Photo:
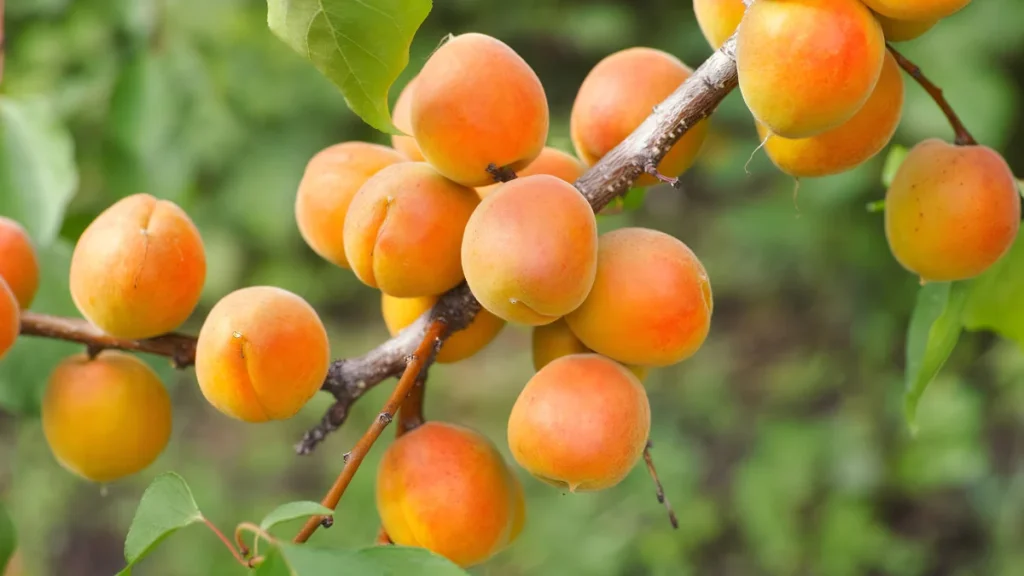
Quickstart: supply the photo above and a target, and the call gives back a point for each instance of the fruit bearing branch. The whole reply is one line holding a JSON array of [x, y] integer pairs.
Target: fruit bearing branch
[[963, 137]]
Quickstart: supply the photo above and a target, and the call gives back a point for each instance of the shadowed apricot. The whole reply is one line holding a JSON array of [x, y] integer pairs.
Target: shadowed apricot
[[447, 489], [402, 119], [404, 229], [331, 179], [105, 418], [852, 142], [651, 302], [618, 95], [138, 269], [718, 19], [400, 312], [530, 250], [14, 565], [903, 30], [478, 103], [10, 318], [917, 9], [555, 340], [19, 265], [581, 422], [552, 162], [951, 211], [806, 66], [262, 354]]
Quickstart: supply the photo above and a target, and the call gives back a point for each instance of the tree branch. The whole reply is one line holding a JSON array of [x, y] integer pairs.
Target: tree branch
[[659, 490], [963, 137]]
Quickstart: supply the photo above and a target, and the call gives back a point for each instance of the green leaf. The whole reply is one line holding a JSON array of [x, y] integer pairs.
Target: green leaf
[[935, 327], [893, 162], [293, 510], [401, 560], [286, 559], [166, 506], [360, 45], [996, 296], [38, 176], [307, 560], [8, 539], [273, 564]]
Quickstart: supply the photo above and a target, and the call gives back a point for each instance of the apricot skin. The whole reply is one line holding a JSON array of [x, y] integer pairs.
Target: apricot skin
[[10, 318], [806, 66], [400, 312], [447, 489], [951, 211], [651, 303], [552, 341], [903, 30], [581, 422], [107, 418], [138, 269], [849, 144], [917, 9], [332, 178], [478, 103], [262, 354], [19, 265], [404, 229], [618, 95], [530, 250], [718, 19], [402, 119], [552, 162]]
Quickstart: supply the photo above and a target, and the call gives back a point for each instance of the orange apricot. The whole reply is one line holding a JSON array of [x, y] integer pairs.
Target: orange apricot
[[105, 418], [651, 302], [849, 144], [402, 119], [806, 66], [400, 312], [262, 354], [555, 340], [332, 178], [552, 162], [10, 318], [19, 265], [917, 9], [138, 269], [718, 19], [618, 95], [951, 211], [903, 30], [478, 103], [581, 422], [530, 250], [446, 488]]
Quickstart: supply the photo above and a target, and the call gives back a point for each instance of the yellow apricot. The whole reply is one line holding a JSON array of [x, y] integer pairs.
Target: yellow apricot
[[400, 312], [478, 103], [552, 162], [105, 418], [10, 318], [718, 19], [402, 119], [951, 211], [581, 422], [262, 354], [19, 265], [903, 30], [138, 269], [849, 144], [332, 178], [555, 340], [618, 95], [530, 250], [806, 66], [917, 9], [447, 489]]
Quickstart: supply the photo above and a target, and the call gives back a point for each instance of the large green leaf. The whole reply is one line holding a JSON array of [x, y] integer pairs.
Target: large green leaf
[[996, 297], [401, 560], [287, 559], [166, 506], [360, 45], [8, 539]]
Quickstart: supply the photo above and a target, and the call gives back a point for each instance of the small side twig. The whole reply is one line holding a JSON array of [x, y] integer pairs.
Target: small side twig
[[652, 169], [963, 137], [659, 490], [239, 556]]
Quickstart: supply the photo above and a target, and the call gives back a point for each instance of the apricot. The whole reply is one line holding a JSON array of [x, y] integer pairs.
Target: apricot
[[806, 66], [530, 250], [555, 340], [10, 318], [903, 30], [262, 354], [446, 488], [332, 178], [478, 103], [105, 418], [618, 95], [138, 269], [951, 211], [552, 162], [402, 119], [400, 312], [19, 265], [917, 9], [651, 301], [581, 423], [718, 19], [404, 229], [852, 142]]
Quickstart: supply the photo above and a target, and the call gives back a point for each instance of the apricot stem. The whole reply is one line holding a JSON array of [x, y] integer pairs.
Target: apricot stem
[[382, 538], [234, 551], [659, 490], [410, 415], [963, 137]]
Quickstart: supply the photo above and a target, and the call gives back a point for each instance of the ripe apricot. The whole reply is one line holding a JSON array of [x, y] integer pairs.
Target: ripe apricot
[[852, 142], [478, 103], [138, 269], [951, 211], [552, 162], [581, 422], [530, 250], [105, 418], [446, 488], [718, 19], [404, 229], [19, 265], [917, 9], [10, 318], [651, 301], [400, 312], [332, 178], [806, 66], [555, 340], [618, 95], [903, 30], [402, 119], [262, 354]]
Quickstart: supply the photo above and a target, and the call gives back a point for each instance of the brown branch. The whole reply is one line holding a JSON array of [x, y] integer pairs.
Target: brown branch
[[659, 490], [963, 137], [415, 364]]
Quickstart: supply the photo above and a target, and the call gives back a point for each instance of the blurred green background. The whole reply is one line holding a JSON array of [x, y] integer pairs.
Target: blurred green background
[[781, 444]]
